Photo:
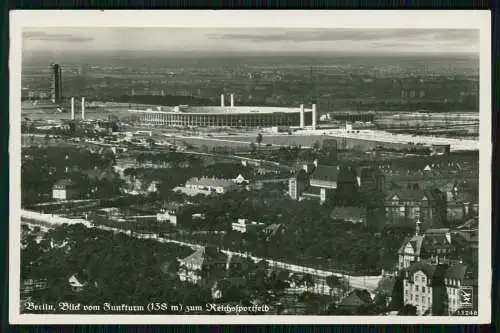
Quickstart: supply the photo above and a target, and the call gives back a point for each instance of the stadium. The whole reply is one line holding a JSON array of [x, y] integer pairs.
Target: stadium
[[227, 116]]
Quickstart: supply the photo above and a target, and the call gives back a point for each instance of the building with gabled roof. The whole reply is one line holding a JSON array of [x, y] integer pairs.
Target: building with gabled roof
[[435, 289], [433, 244], [409, 205], [201, 263]]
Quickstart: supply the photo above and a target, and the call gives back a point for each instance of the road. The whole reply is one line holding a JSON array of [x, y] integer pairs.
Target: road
[[359, 282]]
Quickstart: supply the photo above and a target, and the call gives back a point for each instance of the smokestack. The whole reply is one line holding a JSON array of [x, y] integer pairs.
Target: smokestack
[[72, 108], [83, 108], [302, 116], [222, 100], [314, 116], [232, 100]]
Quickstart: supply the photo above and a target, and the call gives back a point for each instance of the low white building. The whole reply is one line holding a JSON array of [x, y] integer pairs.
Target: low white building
[[206, 186], [64, 189], [244, 225], [166, 216]]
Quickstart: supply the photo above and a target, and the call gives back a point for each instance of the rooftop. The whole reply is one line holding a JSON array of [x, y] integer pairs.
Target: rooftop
[[325, 173], [226, 110], [212, 182]]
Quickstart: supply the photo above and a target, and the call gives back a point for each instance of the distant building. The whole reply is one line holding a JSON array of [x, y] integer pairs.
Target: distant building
[[229, 116], [64, 189], [207, 186], [244, 225], [56, 83], [435, 289], [168, 213]]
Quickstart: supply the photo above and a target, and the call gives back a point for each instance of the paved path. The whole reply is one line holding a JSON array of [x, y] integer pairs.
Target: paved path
[[359, 282]]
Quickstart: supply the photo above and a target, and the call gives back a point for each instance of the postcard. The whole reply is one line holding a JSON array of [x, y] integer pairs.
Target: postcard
[[229, 167]]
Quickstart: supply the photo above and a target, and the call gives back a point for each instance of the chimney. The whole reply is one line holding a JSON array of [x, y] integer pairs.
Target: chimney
[[302, 116], [314, 116], [222, 100], [232, 100], [72, 108], [83, 108]]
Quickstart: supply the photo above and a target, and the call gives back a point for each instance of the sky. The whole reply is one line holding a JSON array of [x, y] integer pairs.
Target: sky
[[257, 40]]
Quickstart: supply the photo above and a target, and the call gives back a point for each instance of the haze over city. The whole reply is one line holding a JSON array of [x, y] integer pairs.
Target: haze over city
[[243, 40]]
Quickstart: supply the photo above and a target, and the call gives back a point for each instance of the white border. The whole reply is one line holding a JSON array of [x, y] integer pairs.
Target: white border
[[231, 19]]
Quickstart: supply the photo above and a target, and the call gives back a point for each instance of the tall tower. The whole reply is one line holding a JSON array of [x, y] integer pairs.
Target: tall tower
[[55, 83]]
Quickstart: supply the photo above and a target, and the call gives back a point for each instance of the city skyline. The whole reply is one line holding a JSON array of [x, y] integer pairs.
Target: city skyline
[[259, 40]]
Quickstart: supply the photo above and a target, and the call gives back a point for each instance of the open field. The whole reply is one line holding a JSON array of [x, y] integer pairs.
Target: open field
[[310, 140]]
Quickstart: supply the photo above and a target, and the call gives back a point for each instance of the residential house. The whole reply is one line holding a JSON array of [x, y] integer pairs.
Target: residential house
[[240, 180], [76, 284], [433, 244], [201, 264], [349, 214], [64, 189], [168, 213], [434, 289], [207, 186], [326, 179], [244, 225], [427, 205]]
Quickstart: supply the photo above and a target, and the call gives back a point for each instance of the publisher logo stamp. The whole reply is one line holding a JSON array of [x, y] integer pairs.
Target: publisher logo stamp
[[465, 297]]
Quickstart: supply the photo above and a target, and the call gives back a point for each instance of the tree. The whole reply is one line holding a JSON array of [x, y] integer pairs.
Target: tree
[[151, 142], [259, 139], [253, 148]]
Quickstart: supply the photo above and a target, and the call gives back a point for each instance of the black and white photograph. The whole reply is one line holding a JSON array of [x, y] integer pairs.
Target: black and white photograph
[[250, 167]]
